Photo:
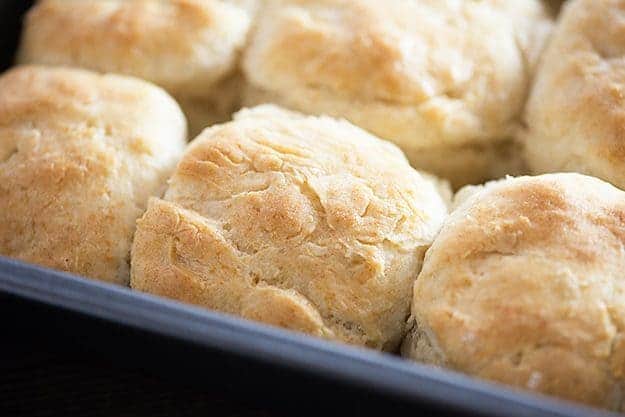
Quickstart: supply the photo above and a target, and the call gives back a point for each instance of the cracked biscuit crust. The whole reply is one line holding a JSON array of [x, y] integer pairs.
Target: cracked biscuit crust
[[525, 285], [302, 222], [576, 111], [80, 153], [433, 76]]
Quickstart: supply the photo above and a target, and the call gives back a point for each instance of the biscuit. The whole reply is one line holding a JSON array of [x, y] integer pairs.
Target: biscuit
[[445, 80], [80, 153], [307, 223], [576, 111], [188, 47], [525, 285]]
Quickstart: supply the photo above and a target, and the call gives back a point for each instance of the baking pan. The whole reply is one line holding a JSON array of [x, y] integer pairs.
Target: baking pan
[[283, 369]]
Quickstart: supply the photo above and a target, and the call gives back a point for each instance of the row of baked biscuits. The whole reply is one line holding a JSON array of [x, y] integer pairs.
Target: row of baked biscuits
[[445, 80], [312, 224], [309, 210]]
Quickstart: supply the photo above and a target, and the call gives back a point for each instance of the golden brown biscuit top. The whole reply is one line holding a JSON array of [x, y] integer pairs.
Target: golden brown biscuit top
[[580, 87], [182, 45], [473, 55], [47, 101], [365, 189], [310, 222], [80, 154], [525, 285]]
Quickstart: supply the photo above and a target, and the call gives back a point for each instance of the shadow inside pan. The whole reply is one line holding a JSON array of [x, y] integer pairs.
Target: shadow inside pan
[[10, 29]]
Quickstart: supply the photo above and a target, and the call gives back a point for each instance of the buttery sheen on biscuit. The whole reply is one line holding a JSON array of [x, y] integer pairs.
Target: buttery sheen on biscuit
[[445, 80], [525, 285], [308, 223], [576, 113], [80, 153], [188, 47]]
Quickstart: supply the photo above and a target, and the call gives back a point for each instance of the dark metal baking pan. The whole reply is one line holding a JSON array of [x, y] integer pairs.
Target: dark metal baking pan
[[197, 346], [201, 337]]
